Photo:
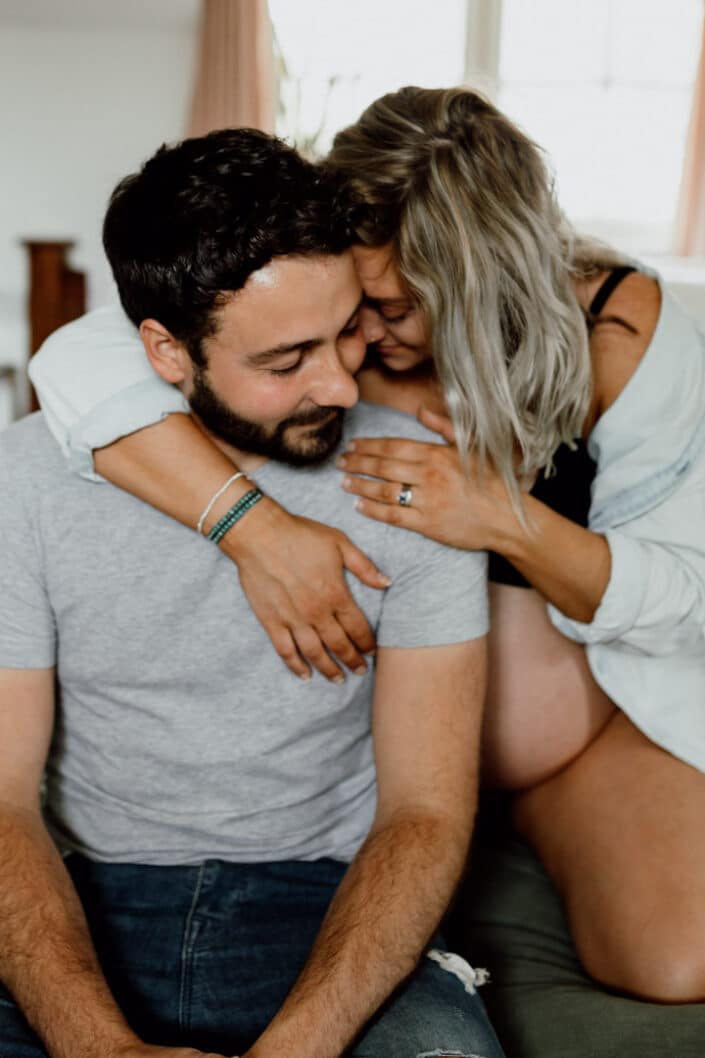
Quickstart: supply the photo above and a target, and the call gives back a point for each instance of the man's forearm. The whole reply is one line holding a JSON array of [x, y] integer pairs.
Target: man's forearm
[[379, 922], [47, 959]]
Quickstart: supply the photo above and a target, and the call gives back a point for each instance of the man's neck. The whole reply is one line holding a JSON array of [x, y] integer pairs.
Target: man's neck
[[247, 461]]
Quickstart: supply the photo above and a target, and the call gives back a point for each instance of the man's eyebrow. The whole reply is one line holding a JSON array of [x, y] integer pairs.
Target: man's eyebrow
[[267, 355]]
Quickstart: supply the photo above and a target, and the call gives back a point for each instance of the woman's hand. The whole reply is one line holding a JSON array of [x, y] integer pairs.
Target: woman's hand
[[465, 511], [291, 570]]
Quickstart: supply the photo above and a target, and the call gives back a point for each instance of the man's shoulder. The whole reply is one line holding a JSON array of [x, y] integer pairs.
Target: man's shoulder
[[28, 450], [376, 420]]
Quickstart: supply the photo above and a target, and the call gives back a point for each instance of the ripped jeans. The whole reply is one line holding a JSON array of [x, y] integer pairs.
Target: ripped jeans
[[204, 956]]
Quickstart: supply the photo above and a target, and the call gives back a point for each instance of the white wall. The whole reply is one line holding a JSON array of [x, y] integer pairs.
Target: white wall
[[81, 107]]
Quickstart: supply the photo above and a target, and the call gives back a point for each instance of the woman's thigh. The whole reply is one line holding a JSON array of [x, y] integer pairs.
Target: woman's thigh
[[622, 832], [543, 706], [510, 918]]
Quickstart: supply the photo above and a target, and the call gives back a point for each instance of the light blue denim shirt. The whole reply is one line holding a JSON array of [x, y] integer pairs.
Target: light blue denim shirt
[[646, 642]]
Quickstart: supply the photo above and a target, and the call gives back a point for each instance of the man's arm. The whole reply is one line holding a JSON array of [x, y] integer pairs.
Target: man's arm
[[426, 725], [47, 959]]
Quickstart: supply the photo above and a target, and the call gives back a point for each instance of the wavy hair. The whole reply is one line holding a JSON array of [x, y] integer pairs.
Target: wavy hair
[[467, 202]]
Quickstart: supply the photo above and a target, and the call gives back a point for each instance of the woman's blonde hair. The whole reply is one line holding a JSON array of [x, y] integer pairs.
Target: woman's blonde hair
[[467, 202]]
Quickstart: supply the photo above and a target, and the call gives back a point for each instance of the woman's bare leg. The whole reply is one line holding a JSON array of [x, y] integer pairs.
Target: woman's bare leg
[[622, 832], [618, 822]]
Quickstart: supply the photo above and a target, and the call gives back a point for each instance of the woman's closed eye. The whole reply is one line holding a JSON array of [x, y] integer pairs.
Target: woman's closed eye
[[394, 317]]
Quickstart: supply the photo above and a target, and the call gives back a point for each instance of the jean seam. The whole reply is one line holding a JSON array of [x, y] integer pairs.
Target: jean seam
[[187, 947]]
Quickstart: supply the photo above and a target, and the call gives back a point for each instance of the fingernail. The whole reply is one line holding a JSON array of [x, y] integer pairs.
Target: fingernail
[[341, 462], [384, 579], [359, 505], [338, 679], [304, 675], [360, 670], [347, 482], [350, 446]]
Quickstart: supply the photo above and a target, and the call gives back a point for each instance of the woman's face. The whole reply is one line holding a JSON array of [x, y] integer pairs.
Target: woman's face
[[391, 319]]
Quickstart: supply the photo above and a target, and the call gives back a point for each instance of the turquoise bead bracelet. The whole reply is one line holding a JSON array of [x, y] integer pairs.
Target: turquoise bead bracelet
[[236, 512]]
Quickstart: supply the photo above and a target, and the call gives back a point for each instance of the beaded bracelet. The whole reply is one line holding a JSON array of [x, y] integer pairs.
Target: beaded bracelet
[[215, 497], [236, 512]]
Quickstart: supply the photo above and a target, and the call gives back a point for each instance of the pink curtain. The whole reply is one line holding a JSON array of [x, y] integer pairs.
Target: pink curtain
[[235, 81], [690, 224]]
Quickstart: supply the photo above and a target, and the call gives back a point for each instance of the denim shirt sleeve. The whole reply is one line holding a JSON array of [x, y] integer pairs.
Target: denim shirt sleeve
[[654, 602], [95, 385]]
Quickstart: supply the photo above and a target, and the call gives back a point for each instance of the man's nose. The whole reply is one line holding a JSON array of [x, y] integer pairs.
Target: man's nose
[[334, 385], [373, 326]]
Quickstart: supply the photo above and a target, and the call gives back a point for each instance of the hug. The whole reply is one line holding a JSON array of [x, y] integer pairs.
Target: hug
[[456, 452]]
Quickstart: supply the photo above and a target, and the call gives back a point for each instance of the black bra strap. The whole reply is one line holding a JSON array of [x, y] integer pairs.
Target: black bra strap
[[613, 280]]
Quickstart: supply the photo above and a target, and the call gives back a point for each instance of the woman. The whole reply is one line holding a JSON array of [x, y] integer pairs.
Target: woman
[[549, 353]]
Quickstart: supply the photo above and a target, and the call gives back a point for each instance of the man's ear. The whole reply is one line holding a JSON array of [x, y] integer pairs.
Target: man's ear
[[167, 356]]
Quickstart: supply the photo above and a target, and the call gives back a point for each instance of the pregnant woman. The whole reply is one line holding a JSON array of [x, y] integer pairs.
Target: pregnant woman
[[570, 391]]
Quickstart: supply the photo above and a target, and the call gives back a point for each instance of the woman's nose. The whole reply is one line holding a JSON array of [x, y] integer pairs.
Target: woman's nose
[[372, 324]]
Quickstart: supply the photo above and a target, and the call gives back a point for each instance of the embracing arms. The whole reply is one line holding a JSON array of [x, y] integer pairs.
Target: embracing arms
[[101, 397], [649, 593], [426, 725], [569, 565]]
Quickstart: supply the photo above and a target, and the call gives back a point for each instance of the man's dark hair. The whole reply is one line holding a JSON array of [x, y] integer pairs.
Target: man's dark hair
[[201, 216]]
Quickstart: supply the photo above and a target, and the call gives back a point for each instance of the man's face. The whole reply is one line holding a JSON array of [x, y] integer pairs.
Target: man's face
[[279, 372]]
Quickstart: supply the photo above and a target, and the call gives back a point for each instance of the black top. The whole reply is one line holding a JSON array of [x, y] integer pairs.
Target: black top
[[568, 489]]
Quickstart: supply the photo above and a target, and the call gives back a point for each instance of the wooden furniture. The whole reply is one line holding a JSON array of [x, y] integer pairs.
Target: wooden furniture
[[57, 293]]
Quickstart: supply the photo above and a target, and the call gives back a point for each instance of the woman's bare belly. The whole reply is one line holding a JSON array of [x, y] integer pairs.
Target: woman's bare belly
[[543, 705]]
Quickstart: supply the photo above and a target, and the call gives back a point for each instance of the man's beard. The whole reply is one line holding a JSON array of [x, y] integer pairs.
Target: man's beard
[[309, 448]]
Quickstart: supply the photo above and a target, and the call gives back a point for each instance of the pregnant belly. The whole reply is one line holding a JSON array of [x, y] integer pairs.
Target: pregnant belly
[[543, 705]]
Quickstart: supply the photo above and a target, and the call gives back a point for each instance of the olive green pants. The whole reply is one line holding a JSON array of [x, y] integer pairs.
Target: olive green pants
[[509, 918]]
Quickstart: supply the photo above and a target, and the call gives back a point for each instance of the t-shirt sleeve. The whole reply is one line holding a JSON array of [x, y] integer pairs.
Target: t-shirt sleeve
[[438, 594], [27, 630], [95, 385]]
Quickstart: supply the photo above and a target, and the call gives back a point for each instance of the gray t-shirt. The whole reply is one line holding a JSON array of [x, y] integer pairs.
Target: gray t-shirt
[[180, 735]]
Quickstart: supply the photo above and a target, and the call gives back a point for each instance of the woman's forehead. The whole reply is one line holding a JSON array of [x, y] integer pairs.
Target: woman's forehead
[[378, 272]]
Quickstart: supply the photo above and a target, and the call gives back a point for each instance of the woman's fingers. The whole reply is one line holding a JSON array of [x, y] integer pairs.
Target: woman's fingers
[[357, 562], [382, 491], [311, 647], [390, 448], [379, 467], [391, 514], [286, 648], [438, 423], [339, 643]]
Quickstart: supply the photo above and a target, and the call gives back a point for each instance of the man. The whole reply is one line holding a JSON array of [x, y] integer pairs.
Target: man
[[252, 863]]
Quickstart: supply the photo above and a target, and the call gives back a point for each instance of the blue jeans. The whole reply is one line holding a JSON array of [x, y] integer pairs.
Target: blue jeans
[[204, 956]]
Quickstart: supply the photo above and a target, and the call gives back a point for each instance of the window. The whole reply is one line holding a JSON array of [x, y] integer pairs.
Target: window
[[606, 87], [337, 57]]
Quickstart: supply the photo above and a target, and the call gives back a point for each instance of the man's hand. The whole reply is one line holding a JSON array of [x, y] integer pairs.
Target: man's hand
[[291, 570]]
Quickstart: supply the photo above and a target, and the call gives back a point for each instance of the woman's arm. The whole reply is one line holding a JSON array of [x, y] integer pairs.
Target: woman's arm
[[569, 565], [100, 392], [647, 594]]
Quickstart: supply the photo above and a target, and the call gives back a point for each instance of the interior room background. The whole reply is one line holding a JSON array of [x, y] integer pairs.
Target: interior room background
[[613, 89]]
